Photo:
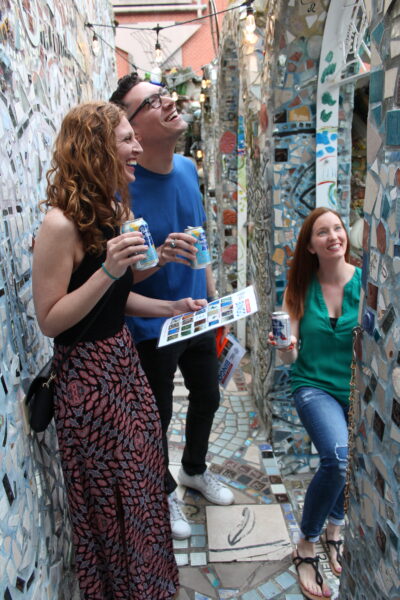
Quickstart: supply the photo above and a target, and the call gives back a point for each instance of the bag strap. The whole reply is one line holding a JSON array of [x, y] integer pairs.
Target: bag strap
[[92, 319]]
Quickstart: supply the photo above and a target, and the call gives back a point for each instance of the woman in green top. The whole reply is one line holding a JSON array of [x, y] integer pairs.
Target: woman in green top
[[322, 299]]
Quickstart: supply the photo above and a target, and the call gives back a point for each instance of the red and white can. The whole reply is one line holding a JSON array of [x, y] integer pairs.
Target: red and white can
[[281, 329]]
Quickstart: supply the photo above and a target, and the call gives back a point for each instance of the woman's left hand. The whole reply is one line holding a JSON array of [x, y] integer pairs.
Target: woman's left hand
[[187, 305]]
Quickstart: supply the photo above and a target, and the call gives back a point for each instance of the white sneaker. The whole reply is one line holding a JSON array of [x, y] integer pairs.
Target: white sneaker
[[209, 486], [179, 523]]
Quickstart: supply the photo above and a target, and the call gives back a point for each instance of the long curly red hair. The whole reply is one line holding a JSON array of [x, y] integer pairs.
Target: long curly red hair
[[86, 173]]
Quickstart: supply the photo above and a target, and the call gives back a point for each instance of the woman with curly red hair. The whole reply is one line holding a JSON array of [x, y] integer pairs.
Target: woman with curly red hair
[[107, 422]]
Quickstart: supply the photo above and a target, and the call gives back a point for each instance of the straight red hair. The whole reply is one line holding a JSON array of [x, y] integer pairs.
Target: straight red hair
[[304, 264]]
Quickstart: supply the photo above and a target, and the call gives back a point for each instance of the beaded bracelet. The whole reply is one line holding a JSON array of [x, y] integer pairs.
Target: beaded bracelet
[[108, 273]]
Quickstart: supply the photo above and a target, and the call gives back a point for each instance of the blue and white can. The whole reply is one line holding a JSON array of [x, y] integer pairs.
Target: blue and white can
[[202, 256], [281, 329], [151, 255]]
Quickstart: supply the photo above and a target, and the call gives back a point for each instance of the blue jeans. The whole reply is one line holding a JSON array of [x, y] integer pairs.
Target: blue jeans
[[325, 420]]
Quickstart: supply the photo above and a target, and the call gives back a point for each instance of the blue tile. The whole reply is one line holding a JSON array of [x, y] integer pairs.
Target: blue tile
[[377, 33], [197, 541], [252, 595], [270, 589], [198, 529], [393, 128], [376, 86], [285, 580], [377, 114]]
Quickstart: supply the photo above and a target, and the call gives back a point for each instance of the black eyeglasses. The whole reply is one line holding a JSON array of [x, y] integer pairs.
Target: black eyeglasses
[[154, 101]]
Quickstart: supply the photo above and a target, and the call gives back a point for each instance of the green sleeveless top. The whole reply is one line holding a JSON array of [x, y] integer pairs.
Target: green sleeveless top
[[325, 353]]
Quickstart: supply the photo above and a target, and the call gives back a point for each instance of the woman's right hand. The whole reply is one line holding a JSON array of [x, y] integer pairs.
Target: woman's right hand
[[123, 251], [272, 342]]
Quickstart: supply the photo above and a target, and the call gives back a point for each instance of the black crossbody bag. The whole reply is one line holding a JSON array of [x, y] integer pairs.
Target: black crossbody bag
[[40, 396]]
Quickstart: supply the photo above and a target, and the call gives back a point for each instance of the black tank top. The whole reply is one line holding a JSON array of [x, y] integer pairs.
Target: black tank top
[[111, 317]]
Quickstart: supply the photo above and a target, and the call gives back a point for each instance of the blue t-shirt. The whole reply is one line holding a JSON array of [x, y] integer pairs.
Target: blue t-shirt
[[169, 203]]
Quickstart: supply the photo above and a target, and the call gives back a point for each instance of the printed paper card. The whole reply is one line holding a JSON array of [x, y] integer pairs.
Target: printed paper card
[[217, 313]]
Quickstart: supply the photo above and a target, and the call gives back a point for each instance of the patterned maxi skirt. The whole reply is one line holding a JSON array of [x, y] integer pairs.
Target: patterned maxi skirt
[[109, 435]]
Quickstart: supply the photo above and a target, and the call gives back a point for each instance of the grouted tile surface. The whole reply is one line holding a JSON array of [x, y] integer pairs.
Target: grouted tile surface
[[240, 457]]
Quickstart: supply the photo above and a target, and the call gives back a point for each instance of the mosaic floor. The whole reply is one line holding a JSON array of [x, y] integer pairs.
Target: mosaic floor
[[240, 457]]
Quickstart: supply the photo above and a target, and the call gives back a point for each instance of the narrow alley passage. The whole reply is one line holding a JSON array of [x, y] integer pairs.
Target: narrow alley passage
[[240, 456]]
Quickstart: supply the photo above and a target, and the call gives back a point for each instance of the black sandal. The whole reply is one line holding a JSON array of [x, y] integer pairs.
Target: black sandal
[[314, 562], [339, 557]]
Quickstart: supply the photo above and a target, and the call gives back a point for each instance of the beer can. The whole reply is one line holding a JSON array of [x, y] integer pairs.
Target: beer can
[[281, 329], [202, 256], [151, 258]]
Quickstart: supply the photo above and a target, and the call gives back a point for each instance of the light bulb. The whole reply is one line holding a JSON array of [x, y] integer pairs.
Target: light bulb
[[199, 154], [158, 55], [204, 83], [174, 96], [250, 25], [250, 37], [95, 45], [202, 98]]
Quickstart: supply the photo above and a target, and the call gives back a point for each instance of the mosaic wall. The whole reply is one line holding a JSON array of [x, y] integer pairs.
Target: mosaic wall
[[290, 147], [372, 567], [47, 64], [278, 84], [227, 166]]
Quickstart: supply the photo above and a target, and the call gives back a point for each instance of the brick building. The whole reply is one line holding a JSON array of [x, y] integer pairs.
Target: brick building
[[187, 46]]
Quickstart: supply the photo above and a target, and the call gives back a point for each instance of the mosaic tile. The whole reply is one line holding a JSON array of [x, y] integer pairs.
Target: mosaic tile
[[182, 559], [285, 580], [252, 595], [198, 559], [270, 589]]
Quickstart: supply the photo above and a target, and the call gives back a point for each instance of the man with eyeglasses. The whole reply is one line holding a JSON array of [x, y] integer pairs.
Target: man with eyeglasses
[[166, 194]]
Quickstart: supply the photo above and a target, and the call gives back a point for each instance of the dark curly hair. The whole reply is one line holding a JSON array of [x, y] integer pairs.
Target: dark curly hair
[[126, 83]]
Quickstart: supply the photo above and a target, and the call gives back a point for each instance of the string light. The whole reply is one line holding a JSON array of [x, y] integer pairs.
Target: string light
[[95, 45], [202, 98], [158, 55], [204, 83], [250, 38], [174, 96], [250, 25]]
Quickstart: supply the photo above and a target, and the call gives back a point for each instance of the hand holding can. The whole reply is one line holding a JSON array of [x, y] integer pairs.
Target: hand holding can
[[151, 258], [281, 329], [202, 258]]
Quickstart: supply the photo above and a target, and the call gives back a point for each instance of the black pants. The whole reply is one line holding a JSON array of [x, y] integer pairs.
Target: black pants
[[197, 360]]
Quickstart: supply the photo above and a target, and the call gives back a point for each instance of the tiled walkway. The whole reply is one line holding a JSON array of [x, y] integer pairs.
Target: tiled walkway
[[240, 457]]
